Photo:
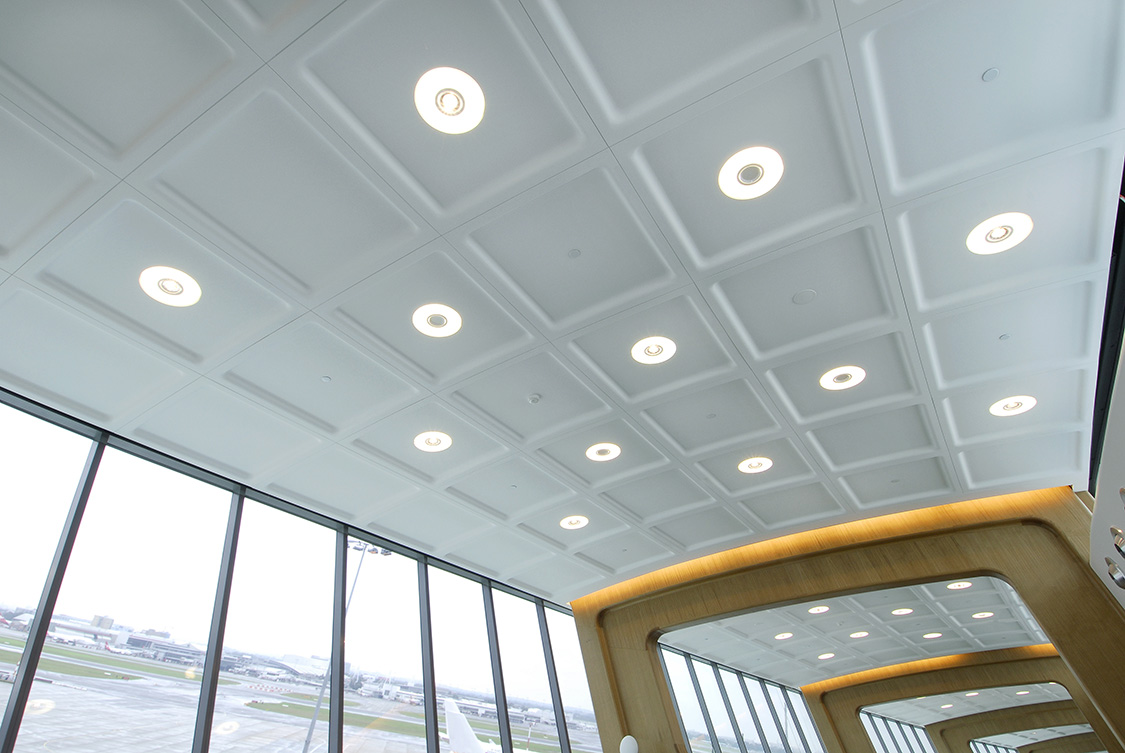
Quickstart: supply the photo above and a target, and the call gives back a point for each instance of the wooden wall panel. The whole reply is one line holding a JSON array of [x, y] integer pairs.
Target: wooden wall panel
[[954, 735], [1087, 743]]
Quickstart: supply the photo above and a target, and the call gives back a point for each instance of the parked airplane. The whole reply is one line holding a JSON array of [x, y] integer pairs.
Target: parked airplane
[[462, 739]]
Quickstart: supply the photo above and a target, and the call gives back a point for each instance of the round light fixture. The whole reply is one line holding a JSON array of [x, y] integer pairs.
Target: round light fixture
[[436, 320], [751, 173], [170, 286], [859, 634], [433, 441], [1012, 406], [818, 610], [650, 350], [783, 636], [574, 522], [755, 465], [842, 377], [971, 695], [449, 100], [959, 585], [602, 451], [931, 636], [902, 611], [999, 233], [982, 615], [947, 705], [828, 655], [1022, 692]]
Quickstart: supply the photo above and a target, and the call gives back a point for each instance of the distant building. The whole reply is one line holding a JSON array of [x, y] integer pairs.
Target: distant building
[[101, 621]]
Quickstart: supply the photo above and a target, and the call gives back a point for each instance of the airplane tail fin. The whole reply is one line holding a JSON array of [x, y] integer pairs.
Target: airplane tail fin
[[462, 739]]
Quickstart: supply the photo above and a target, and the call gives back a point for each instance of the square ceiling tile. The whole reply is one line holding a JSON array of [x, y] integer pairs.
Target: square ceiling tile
[[497, 551], [559, 577], [393, 440], [714, 417], [705, 529], [1063, 398], [531, 127], [1072, 212], [1026, 462], [379, 311], [793, 507], [263, 176], [317, 377], [576, 252], [223, 432], [1042, 328], [699, 350], [884, 435], [658, 496], [924, 65], [798, 108], [545, 524], [268, 26], [625, 552], [190, 59], [96, 263], [105, 378], [915, 481], [811, 294], [341, 484], [48, 183], [533, 397], [783, 461], [430, 522], [637, 454], [889, 379], [510, 489]]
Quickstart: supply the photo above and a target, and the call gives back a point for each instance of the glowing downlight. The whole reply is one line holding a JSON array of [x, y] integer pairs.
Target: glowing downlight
[[602, 451], [170, 286], [1000, 233], [755, 465], [751, 173], [842, 377], [653, 350], [449, 100], [574, 522], [433, 441], [1012, 406], [436, 320]]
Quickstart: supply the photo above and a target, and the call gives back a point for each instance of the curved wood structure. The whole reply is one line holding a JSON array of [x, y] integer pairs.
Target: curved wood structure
[[1086, 743], [954, 735], [835, 704], [1037, 541]]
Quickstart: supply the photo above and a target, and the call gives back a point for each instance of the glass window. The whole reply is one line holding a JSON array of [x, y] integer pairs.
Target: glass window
[[129, 632], [383, 688], [716, 709], [530, 709], [751, 736], [691, 715], [786, 718], [462, 665], [765, 717], [40, 468], [873, 733], [904, 744], [278, 636], [812, 737], [581, 727]]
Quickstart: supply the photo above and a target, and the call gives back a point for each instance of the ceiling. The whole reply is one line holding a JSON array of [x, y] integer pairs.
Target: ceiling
[[1027, 737], [928, 709], [273, 151]]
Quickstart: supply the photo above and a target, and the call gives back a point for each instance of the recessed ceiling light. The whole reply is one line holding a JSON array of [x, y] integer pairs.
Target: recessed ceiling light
[[1012, 406], [574, 522], [603, 451], [959, 585], [829, 655], [751, 173], [783, 636], [971, 695], [1022, 692], [999, 233], [170, 286], [655, 349], [755, 465], [931, 636], [947, 705], [436, 320], [859, 634], [818, 610], [901, 611], [842, 377], [449, 100], [433, 441], [982, 615]]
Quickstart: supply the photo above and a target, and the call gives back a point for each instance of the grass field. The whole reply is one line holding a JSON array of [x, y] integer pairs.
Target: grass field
[[66, 668], [105, 660]]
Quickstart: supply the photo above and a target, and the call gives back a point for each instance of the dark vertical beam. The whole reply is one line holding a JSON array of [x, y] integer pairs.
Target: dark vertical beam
[[336, 664], [776, 719], [703, 705], [796, 720], [429, 687], [730, 710], [37, 634], [213, 662], [553, 678], [497, 670]]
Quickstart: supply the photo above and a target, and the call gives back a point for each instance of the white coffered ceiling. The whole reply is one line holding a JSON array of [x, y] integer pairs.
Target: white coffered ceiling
[[273, 151]]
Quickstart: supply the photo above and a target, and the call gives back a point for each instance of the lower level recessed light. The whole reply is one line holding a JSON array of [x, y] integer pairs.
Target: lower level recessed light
[[574, 522], [170, 286], [783, 636], [755, 465], [652, 350], [818, 610], [433, 441], [828, 655], [751, 172], [1012, 406], [931, 636], [972, 695], [602, 451], [982, 615], [947, 705], [960, 585], [842, 377], [436, 320], [999, 233], [1022, 692], [859, 634], [902, 611]]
